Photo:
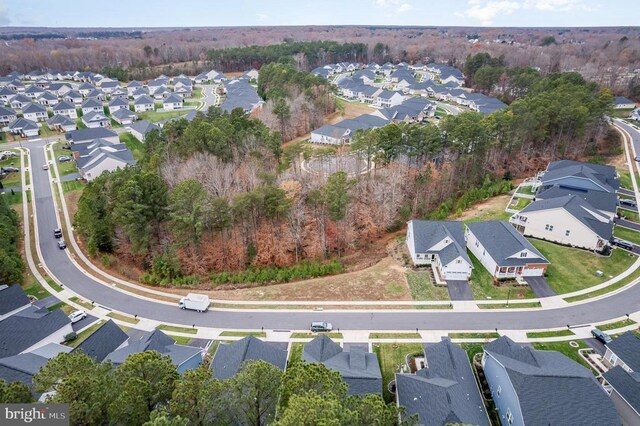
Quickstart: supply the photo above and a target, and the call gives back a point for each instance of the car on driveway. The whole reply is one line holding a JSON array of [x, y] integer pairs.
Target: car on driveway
[[627, 202], [10, 169], [8, 154], [57, 233], [77, 316], [601, 335], [627, 245], [62, 245], [319, 327], [63, 159], [45, 167]]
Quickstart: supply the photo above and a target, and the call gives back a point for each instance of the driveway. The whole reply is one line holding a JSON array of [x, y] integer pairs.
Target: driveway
[[459, 290], [347, 347], [627, 224], [88, 320], [627, 192], [540, 286]]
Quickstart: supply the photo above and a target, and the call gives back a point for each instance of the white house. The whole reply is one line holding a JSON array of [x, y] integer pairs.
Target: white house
[[387, 99], [91, 105], [96, 119], [24, 127], [124, 116], [503, 251], [7, 115], [66, 109], [441, 245], [172, 102], [141, 128], [61, 123], [622, 381], [35, 112], [143, 103], [620, 102], [118, 103]]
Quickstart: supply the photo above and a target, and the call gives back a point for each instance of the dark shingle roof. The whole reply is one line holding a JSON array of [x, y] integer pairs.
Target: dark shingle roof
[[143, 127], [92, 103], [63, 106], [155, 341], [28, 327], [103, 341], [427, 233], [33, 108], [626, 384], [601, 200], [21, 368], [229, 357], [503, 243], [11, 298], [443, 392], [627, 348], [551, 388], [603, 176], [89, 134]]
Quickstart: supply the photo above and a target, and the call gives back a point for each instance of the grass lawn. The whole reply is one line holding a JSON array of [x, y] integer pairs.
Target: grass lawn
[[625, 178], [72, 185], [479, 335], [605, 290], [122, 317], [423, 288], [54, 285], [135, 146], [67, 167], [491, 209], [629, 215], [15, 198], [621, 113], [391, 356], [83, 335], [13, 178], [574, 269], [243, 333], [214, 347], [67, 309], [295, 354], [616, 325], [395, 336], [180, 340], [482, 286], [566, 349], [165, 327], [196, 93], [472, 349], [557, 333], [509, 306], [526, 190], [521, 203], [627, 234], [35, 289], [156, 116], [88, 306], [310, 335]]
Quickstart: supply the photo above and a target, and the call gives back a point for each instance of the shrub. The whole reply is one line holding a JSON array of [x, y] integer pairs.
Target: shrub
[[272, 274]]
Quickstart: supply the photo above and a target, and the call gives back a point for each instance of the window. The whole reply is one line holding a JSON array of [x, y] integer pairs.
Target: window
[[458, 261], [477, 244], [548, 227], [567, 232], [523, 254], [509, 416], [503, 269]]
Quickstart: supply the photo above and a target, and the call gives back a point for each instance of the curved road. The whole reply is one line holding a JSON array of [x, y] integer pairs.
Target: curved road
[[59, 264]]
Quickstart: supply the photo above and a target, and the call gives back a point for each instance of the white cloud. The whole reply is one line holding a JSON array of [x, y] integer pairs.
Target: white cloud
[[263, 17], [405, 7], [486, 11], [398, 6]]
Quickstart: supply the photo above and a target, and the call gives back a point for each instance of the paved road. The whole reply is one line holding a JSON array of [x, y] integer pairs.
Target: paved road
[[58, 262], [540, 286], [84, 322], [459, 290], [208, 97], [449, 108]]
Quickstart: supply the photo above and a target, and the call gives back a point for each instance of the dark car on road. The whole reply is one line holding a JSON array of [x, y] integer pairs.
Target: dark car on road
[[627, 245], [601, 335], [62, 245], [57, 233], [320, 327]]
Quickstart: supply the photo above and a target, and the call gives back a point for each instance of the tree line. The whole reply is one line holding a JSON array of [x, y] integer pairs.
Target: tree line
[[146, 389], [11, 263]]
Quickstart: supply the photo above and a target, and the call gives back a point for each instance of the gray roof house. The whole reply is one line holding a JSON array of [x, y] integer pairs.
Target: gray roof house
[[543, 387], [579, 175], [503, 251], [24, 127], [141, 128], [21, 368], [66, 108], [34, 112], [87, 135], [97, 157], [7, 115], [624, 389], [183, 357], [117, 103], [443, 392], [12, 299], [143, 103], [440, 244], [623, 103], [604, 202], [61, 123], [229, 356], [91, 105], [624, 351], [103, 341], [360, 370], [124, 116], [96, 119]]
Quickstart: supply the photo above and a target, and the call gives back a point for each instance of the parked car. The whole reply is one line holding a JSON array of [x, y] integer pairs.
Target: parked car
[[9, 154], [62, 245], [637, 158], [601, 335], [318, 327], [77, 316], [10, 169], [63, 159], [627, 245], [57, 233], [45, 167], [627, 202]]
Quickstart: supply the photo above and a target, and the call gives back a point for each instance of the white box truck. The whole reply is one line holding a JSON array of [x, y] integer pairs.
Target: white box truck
[[195, 302]]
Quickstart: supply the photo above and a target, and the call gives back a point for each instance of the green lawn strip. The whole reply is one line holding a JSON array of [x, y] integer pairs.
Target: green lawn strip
[[196, 93], [565, 348], [135, 146], [81, 302], [521, 203], [472, 349], [15, 198], [67, 167], [606, 289], [188, 330], [528, 189], [35, 289], [156, 116], [121, 317], [310, 335], [83, 335], [557, 333], [573, 269], [180, 340], [627, 234], [509, 306], [53, 284], [479, 335], [395, 336], [422, 287], [621, 112], [625, 178], [72, 185], [67, 309], [243, 333], [295, 353], [629, 215], [391, 356], [483, 287], [616, 325], [214, 347]]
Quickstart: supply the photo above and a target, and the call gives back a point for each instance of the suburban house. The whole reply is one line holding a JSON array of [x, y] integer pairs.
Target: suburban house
[[86, 88], [7, 115], [34, 112], [96, 119], [388, 99], [108, 338], [536, 387], [21, 368], [143, 103], [604, 202], [73, 97], [441, 245], [12, 300], [109, 86], [567, 220], [624, 351], [172, 102], [622, 381], [24, 127], [81, 136], [124, 116], [359, 370], [341, 133], [6, 95], [66, 109], [91, 105], [142, 91], [240, 94], [620, 102], [444, 391], [141, 128], [413, 110], [503, 251], [61, 123], [117, 103], [97, 94], [229, 357], [34, 91], [99, 156], [48, 99], [160, 93], [18, 101], [183, 357], [60, 89], [579, 175]]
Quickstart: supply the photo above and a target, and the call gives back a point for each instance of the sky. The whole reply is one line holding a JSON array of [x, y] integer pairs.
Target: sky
[[198, 13]]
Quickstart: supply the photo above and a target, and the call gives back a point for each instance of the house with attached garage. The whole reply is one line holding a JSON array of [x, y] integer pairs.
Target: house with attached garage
[[440, 244], [133, 86], [119, 92], [33, 91], [620, 102], [60, 89], [97, 95], [48, 99], [18, 101], [172, 102], [96, 119], [142, 91], [503, 251], [99, 156], [140, 129], [6, 95], [579, 175], [118, 103], [105, 340], [161, 93], [66, 109], [567, 220], [622, 381], [16, 86], [124, 116], [24, 127], [73, 97], [34, 112], [534, 387], [7, 115], [444, 391], [91, 105], [229, 357], [359, 370], [604, 202], [61, 123], [82, 136], [85, 88], [183, 92], [388, 99], [143, 103], [109, 86]]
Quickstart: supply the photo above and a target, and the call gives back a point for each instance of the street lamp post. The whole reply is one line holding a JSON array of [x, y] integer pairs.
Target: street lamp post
[[508, 296]]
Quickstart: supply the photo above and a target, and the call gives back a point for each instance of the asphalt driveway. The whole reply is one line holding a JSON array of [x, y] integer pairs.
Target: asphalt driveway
[[459, 290], [540, 286]]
